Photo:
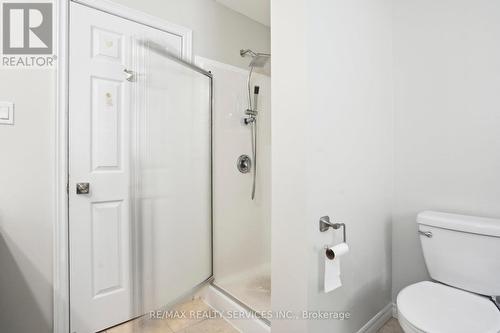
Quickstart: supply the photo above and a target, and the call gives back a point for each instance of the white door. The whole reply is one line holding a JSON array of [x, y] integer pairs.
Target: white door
[[101, 246]]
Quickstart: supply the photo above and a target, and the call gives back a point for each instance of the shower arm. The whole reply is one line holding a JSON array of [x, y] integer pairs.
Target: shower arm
[[245, 52]]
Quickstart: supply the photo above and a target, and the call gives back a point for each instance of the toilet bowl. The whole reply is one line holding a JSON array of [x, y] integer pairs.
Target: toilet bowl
[[463, 258], [429, 307]]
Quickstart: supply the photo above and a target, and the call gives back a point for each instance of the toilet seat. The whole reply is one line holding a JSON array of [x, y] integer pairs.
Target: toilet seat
[[407, 326], [429, 307]]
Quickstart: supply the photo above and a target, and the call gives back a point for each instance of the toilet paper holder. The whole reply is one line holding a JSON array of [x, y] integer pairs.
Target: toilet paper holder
[[325, 224]]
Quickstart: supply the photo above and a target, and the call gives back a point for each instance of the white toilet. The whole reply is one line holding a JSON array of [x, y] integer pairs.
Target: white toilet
[[462, 254]]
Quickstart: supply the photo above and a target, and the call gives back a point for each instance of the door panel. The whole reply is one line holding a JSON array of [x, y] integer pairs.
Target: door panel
[[107, 114], [108, 233]]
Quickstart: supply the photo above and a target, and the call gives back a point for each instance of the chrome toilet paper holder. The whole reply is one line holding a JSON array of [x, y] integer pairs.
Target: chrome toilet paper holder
[[325, 224]]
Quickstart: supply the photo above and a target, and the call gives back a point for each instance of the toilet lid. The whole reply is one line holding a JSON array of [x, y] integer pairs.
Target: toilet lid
[[436, 308]]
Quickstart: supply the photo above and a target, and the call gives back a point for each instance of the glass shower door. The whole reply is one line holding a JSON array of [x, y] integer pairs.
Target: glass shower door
[[171, 140]]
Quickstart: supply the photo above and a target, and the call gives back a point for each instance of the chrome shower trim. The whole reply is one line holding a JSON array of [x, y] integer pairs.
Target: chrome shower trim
[[245, 52], [164, 52], [259, 60]]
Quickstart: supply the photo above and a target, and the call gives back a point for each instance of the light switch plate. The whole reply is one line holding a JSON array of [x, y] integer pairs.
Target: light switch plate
[[7, 113]]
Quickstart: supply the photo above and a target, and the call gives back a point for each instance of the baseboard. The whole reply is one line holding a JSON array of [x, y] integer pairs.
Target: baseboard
[[374, 324], [394, 310]]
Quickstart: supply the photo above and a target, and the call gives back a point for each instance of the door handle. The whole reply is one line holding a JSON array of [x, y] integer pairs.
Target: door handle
[[129, 75], [82, 188]]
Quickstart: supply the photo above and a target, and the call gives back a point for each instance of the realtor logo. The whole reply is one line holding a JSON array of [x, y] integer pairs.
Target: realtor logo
[[27, 35], [27, 28]]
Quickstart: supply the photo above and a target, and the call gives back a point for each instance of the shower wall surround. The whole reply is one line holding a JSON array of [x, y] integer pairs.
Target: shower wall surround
[[242, 226]]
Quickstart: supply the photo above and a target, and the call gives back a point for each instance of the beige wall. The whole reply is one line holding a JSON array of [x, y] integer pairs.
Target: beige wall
[[351, 113], [218, 32], [26, 168], [26, 193], [447, 116]]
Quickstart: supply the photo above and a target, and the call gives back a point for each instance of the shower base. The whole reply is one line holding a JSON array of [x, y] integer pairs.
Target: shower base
[[252, 288], [224, 303], [243, 299]]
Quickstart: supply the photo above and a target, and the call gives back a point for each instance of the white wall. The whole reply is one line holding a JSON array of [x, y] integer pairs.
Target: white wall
[[332, 139], [26, 168], [447, 116], [289, 105]]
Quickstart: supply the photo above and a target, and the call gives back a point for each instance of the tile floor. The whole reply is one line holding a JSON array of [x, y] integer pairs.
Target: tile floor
[[392, 326], [199, 318]]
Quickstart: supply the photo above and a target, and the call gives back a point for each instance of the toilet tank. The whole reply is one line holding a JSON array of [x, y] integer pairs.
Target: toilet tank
[[462, 251]]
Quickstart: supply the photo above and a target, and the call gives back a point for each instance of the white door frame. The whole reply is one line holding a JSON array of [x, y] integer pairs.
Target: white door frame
[[61, 301]]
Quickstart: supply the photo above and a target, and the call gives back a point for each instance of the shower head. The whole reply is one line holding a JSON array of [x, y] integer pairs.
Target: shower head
[[245, 52], [258, 59]]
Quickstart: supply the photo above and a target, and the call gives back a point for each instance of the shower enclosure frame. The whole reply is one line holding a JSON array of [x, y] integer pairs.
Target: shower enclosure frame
[[211, 279], [259, 315]]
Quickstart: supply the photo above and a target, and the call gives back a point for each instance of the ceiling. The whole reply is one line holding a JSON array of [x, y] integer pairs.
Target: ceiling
[[258, 10]]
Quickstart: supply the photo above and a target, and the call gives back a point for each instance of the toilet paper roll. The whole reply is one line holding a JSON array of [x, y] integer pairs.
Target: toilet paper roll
[[332, 279]]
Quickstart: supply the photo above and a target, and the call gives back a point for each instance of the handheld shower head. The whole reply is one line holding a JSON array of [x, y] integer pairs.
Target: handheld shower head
[[255, 97]]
